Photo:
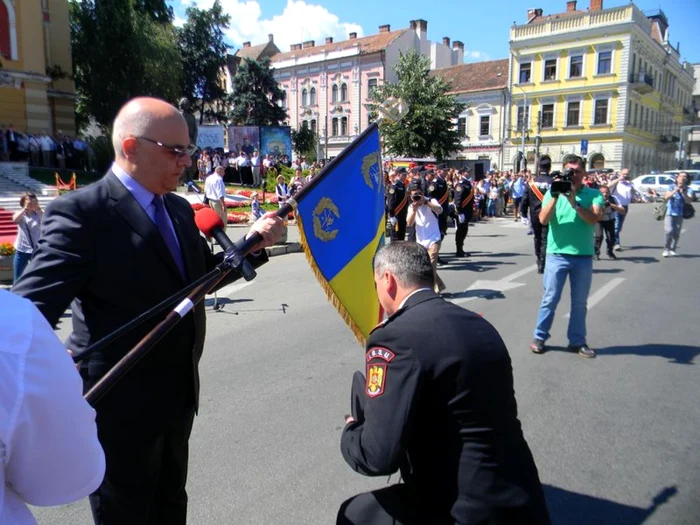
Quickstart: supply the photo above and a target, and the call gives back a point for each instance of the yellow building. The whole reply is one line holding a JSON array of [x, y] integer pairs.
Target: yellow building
[[34, 43], [601, 83]]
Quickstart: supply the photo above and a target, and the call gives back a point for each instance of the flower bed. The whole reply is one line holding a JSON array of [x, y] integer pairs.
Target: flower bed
[[272, 200], [237, 217], [237, 204]]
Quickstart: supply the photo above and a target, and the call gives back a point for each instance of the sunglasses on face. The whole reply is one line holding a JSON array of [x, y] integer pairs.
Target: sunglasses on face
[[179, 151]]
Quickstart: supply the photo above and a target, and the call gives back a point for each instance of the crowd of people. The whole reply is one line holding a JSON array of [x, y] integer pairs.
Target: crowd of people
[[44, 150]]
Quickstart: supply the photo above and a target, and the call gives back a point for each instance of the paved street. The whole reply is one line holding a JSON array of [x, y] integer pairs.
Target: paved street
[[615, 438]]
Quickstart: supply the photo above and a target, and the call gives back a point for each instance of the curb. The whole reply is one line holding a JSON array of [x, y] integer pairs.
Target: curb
[[292, 247]]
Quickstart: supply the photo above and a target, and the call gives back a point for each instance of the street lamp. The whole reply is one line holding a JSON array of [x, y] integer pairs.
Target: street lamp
[[522, 162]]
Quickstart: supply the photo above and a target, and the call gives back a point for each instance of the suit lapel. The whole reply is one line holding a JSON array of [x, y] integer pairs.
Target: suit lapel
[[135, 216]]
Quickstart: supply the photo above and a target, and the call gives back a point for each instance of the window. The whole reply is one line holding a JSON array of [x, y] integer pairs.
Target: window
[[629, 113], [304, 124], [334, 127], [313, 126], [304, 97], [344, 126], [526, 111], [573, 114], [550, 69], [601, 111], [6, 39], [334, 93], [283, 100], [525, 70], [312, 97], [547, 115], [604, 62], [462, 126], [371, 84], [576, 66], [649, 180], [633, 62], [484, 126], [344, 93]]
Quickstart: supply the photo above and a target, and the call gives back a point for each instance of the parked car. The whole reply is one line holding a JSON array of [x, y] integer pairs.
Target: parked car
[[693, 179], [657, 183]]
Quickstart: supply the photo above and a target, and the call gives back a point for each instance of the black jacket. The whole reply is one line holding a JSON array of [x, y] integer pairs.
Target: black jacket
[[439, 405], [531, 203]]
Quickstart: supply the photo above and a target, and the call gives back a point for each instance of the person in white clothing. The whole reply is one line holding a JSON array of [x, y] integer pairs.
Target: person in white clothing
[[49, 451], [215, 192], [255, 165], [282, 191], [623, 191], [424, 212]]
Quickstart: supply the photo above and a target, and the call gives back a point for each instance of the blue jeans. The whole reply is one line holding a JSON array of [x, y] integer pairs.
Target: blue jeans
[[491, 208], [579, 269], [20, 263], [619, 221]]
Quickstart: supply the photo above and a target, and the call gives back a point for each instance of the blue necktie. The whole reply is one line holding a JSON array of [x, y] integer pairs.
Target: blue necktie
[[167, 233]]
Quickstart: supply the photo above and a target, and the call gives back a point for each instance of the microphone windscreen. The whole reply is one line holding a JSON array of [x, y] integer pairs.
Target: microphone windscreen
[[206, 220]]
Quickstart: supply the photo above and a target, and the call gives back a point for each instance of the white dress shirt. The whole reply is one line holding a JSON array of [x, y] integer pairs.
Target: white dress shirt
[[427, 227], [623, 192], [214, 187], [49, 451]]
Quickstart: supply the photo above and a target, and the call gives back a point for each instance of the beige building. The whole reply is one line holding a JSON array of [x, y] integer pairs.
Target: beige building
[[34, 45]]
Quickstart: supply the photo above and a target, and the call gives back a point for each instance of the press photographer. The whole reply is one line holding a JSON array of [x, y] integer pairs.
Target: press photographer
[[424, 214], [571, 210], [607, 224]]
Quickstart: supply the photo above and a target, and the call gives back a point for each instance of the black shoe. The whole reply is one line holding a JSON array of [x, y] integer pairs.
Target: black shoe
[[460, 253], [583, 351], [537, 346], [441, 262], [612, 255], [596, 257]]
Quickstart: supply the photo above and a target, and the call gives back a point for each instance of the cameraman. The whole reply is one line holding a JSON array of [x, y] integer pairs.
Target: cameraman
[[607, 223], [424, 214], [571, 210], [531, 205]]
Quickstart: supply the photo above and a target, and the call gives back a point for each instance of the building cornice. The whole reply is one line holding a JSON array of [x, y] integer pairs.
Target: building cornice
[[31, 76]]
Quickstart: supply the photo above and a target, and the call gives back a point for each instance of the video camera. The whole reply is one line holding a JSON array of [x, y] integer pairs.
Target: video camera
[[563, 183]]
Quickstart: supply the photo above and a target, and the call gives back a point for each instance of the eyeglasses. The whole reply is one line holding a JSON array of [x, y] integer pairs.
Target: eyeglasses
[[180, 151]]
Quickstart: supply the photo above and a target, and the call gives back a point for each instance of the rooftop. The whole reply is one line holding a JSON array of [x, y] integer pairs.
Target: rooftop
[[479, 76]]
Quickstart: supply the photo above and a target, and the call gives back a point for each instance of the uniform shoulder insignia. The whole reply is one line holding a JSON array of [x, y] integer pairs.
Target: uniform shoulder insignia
[[431, 188], [392, 190], [376, 379], [458, 188], [379, 352]]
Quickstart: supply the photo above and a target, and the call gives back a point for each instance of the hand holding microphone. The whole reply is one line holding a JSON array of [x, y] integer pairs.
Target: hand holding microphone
[[268, 227]]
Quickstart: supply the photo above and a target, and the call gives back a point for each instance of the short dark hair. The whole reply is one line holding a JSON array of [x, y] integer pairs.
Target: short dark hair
[[408, 262], [575, 159], [27, 195], [545, 164]]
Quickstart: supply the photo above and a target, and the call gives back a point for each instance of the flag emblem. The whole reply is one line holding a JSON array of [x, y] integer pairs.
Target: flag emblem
[[325, 214]]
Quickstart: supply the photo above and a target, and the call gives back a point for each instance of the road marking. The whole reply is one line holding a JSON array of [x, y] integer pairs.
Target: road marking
[[683, 230], [600, 294], [230, 289], [494, 287]]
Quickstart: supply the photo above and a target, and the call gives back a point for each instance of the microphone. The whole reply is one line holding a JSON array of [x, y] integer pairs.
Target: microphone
[[210, 224], [191, 185]]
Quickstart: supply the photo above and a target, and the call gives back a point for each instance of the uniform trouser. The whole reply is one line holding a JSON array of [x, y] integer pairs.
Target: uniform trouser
[[398, 232], [607, 228], [461, 234], [540, 236], [394, 505], [442, 222], [145, 479]]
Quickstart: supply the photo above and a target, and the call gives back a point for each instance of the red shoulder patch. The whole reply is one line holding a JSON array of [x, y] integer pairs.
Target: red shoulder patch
[[381, 353]]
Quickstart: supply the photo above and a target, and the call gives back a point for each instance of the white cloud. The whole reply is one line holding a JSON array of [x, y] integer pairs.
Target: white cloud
[[179, 22], [475, 56], [299, 21]]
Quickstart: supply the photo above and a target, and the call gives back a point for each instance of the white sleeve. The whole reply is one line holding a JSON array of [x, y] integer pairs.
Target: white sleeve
[[54, 457]]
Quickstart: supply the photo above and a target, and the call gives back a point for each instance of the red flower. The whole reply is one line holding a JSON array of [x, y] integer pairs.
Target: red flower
[[237, 217]]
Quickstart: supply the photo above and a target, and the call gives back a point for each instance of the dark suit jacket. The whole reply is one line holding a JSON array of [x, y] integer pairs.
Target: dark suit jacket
[[99, 249], [439, 405]]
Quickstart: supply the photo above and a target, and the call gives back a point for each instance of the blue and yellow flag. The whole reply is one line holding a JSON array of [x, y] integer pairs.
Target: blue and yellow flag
[[341, 220]]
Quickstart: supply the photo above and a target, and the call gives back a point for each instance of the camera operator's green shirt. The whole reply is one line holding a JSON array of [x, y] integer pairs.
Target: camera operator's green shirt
[[568, 233]]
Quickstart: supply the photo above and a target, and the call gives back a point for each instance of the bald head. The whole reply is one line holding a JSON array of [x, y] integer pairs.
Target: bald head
[[143, 117]]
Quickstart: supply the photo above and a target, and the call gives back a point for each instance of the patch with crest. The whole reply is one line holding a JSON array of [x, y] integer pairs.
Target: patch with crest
[[376, 379]]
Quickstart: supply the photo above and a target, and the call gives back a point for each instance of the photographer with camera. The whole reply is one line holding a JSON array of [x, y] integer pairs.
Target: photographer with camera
[[424, 214], [571, 210], [531, 205], [606, 225], [676, 198]]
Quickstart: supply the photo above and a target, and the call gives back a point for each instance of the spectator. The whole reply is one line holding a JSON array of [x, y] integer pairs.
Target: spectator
[[255, 165], [517, 189], [28, 221], [297, 183], [424, 212], [623, 190], [11, 142], [215, 192], [255, 207], [676, 197], [282, 191], [606, 225]]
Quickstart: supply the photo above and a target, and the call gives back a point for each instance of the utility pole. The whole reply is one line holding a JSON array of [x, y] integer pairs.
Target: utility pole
[[538, 138], [524, 130]]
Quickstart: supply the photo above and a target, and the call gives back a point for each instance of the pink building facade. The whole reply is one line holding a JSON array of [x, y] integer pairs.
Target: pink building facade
[[328, 86]]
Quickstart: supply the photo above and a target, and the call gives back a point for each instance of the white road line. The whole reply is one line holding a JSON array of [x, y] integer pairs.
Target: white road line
[[230, 289], [501, 285], [683, 230], [600, 294], [519, 273]]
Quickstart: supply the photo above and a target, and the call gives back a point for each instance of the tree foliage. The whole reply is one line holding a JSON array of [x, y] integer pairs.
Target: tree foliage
[[304, 142], [120, 52], [157, 10], [428, 129], [256, 95], [204, 51]]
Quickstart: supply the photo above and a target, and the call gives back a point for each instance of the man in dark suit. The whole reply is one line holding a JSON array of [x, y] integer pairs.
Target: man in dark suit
[[114, 249], [12, 143], [397, 206], [438, 406]]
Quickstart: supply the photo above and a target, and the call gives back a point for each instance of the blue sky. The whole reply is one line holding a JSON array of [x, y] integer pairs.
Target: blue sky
[[482, 26]]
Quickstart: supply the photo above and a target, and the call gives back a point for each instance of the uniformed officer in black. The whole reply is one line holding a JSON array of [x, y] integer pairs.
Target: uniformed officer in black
[[397, 206], [463, 201], [438, 406], [438, 190], [531, 204]]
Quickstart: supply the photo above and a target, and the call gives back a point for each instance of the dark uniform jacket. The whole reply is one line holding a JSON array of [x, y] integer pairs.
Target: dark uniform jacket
[[464, 198], [437, 189], [531, 203], [397, 200], [439, 404]]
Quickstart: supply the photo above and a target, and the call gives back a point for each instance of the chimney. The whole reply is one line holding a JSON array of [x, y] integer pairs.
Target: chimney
[[329, 40], [412, 24], [353, 35], [270, 37], [596, 5], [458, 51], [246, 45], [307, 44], [385, 28], [446, 41], [295, 47], [421, 28], [571, 5]]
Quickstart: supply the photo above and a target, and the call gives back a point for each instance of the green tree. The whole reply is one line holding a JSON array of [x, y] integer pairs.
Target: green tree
[[428, 129], [304, 142], [120, 52], [157, 10], [257, 96], [204, 53]]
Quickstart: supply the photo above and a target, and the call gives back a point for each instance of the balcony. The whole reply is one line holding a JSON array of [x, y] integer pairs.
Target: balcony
[[641, 82]]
